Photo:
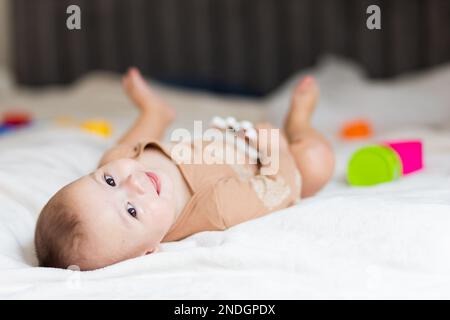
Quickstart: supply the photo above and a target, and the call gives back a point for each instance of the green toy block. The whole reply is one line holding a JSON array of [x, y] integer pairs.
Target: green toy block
[[372, 165]]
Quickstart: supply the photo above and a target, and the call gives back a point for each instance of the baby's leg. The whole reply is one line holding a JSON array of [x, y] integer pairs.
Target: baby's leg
[[155, 115], [312, 152], [153, 119]]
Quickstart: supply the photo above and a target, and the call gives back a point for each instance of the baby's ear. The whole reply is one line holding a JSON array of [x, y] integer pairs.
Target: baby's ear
[[154, 250]]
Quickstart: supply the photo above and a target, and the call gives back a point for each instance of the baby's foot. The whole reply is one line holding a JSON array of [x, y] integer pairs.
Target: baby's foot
[[303, 103], [143, 96]]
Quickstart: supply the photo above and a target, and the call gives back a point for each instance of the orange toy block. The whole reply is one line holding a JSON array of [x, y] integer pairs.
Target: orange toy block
[[356, 129]]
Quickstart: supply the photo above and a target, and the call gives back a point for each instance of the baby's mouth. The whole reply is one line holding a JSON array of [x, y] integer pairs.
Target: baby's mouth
[[155, 180]]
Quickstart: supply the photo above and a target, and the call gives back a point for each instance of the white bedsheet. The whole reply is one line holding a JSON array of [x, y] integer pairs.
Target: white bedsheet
[[389, 241]]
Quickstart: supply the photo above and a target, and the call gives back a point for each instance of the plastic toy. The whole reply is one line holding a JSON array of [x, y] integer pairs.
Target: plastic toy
[[100, 127], [356, 129], [12, 120], [5, 129], [244, 128], [410, 152], [95, 126], [385, 162], [16, 118]]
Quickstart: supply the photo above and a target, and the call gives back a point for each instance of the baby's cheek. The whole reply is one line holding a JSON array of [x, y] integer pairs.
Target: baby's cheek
[[163, 209], [162, 217]]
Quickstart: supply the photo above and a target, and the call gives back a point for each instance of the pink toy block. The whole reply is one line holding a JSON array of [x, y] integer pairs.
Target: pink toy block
[[410, 152]]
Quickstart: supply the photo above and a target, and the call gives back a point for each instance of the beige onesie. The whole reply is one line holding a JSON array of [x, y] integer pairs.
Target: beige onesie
[[224, 195]]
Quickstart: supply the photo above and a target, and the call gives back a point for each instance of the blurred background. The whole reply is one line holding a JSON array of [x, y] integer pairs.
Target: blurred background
[[5, 41], [231, 46]]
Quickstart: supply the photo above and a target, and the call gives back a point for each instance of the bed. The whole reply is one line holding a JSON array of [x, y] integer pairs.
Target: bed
[[387, 241]]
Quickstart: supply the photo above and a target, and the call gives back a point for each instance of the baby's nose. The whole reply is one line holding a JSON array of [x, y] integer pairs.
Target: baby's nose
[[134, 184]]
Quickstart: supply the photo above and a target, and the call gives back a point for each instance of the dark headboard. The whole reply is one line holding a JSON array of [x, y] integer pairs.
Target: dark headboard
[[240, 46]]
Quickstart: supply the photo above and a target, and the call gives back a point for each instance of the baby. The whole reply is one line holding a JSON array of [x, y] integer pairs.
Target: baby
[[140, 196]]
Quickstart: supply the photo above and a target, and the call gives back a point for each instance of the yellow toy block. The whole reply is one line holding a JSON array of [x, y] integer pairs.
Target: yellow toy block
[[100, 127]]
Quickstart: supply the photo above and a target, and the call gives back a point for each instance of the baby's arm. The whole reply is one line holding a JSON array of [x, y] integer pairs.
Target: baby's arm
[[154, 118]]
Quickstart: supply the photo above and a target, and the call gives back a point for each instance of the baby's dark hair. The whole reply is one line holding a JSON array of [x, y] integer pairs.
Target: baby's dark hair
[[58, 234]]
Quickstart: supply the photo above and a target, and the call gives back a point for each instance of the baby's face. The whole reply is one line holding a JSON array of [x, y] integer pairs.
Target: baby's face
[[125, 210]]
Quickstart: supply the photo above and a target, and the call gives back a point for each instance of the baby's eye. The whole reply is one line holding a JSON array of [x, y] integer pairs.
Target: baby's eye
[[109, 180], [131, 210]]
